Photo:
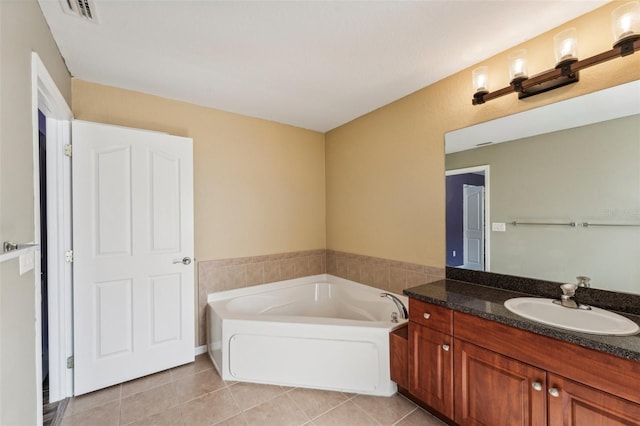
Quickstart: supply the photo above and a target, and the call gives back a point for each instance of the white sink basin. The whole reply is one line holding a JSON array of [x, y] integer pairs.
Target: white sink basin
[[594, 321]]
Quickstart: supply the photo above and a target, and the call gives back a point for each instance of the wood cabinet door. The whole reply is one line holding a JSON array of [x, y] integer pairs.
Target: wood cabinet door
[[574, 404], [431, 367], [398, 352], [492, 389]]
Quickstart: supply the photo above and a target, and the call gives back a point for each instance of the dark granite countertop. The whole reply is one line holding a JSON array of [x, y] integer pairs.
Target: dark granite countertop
[[488, 303]]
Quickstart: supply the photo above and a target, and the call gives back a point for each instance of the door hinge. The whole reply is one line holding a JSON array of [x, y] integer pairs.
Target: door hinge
[[68, 256], [70, 362], [68, 150]]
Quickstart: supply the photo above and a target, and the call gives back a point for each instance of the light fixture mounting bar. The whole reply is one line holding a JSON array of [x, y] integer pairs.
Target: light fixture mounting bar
[[560, 76]]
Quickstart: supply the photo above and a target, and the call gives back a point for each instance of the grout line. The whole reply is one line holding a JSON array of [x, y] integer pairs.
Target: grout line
[[241, 413], [331, 409], [119, 399], [405, 416], [120, 407], [266, 400], [367, 414], [293, 401], [235, 400], [168, 372], [286, 394], [180, 406]]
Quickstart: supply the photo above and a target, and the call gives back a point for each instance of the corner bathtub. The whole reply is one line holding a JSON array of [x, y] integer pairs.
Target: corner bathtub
[[317, 332]]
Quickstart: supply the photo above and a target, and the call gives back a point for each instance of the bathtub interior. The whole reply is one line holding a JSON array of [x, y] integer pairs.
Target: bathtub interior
[[322, 300], [333, 336]]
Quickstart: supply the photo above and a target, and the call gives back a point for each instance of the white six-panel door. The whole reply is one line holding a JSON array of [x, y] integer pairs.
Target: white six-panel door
[[473, 227], [132, 228]]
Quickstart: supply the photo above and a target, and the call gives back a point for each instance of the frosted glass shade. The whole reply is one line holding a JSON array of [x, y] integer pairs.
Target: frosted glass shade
[[480, 78], [625, 21], [518, 64], [565, 46]]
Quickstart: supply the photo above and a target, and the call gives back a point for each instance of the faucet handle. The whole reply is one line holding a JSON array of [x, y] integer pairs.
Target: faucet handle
[[568, 289], [583, 281]]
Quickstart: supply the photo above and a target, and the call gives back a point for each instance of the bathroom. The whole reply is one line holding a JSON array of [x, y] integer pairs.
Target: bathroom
[[364, 201]]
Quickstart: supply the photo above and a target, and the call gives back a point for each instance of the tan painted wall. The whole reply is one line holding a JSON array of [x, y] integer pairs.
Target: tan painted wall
[[22, 30], [259, 185], [584, 174], [385, 170]]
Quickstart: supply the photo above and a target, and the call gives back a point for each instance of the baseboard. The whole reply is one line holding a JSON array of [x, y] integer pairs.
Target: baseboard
[[199, 350]]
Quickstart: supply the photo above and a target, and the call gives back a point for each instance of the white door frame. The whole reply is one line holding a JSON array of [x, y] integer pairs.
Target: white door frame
[[47, 98], [487, 207]]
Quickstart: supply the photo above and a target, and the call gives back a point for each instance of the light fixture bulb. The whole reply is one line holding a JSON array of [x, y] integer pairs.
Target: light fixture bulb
[[480, 78], [518, 65], [482, 82], [625, 21], [565, 46]]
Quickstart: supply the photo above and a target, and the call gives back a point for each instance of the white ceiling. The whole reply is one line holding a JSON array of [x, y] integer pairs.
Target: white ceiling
[[312, 64]]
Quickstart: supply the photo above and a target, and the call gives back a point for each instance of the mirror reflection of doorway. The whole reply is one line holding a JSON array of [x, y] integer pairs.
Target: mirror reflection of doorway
[[473, 227], [467, 217]]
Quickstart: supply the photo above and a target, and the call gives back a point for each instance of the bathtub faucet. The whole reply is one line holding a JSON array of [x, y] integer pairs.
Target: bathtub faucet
[[401, 308]]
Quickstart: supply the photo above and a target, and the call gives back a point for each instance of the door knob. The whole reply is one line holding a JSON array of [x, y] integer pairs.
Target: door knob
[[554, 392], [184, 261], [537, 386]]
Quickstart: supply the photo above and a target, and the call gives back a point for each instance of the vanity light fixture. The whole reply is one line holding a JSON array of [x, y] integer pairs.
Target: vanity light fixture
[[626, 34]]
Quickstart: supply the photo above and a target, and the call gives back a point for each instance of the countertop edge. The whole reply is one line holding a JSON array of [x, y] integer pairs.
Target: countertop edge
[[527, 325]]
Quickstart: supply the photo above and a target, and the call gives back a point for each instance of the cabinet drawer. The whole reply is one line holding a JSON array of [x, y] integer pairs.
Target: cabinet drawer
[[432, 316]]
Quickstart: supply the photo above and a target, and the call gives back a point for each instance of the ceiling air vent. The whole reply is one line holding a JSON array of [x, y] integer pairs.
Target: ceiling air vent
[[81, 8]]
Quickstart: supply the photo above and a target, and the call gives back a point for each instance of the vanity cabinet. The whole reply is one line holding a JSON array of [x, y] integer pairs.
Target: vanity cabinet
[[481, 372], [431, 355]]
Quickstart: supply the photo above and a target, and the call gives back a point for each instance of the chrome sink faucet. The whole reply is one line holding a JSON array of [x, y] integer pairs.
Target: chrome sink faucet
[[567, 298], [402, 310]]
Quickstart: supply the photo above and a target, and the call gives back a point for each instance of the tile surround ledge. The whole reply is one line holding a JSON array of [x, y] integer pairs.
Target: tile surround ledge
[[385, 274], [229, 274]]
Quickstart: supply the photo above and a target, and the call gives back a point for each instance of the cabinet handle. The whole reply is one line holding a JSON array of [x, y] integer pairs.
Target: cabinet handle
[[426, 315], [537, 386], [445, 347], [554, 392]]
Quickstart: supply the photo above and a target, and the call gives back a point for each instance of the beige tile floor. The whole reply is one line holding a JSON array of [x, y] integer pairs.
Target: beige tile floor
[[194, 395]]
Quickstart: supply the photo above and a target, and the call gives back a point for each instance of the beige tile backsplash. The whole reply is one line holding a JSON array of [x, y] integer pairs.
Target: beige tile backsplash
[[229, 274], [390, 275]]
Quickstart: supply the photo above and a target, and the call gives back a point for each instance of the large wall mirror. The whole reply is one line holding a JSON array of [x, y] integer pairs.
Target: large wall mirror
[[551, 193]]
